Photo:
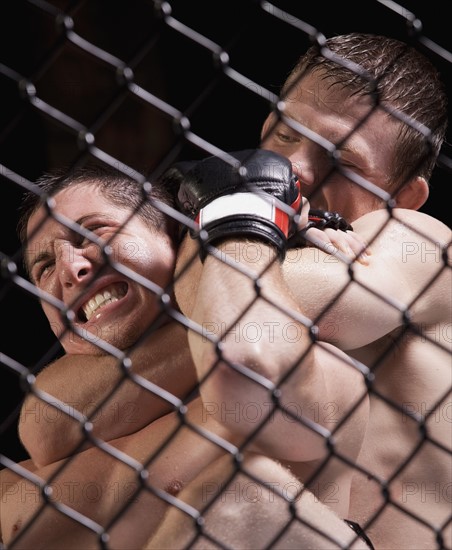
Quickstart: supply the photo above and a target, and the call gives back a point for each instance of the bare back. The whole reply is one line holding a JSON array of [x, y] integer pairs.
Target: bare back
[[395, 317]]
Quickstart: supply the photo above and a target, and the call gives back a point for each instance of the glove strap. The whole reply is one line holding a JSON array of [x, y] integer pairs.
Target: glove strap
[[323, 219], [320, 219]]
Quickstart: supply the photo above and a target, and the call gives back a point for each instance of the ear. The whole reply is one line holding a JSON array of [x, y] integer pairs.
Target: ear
[[413, 194]]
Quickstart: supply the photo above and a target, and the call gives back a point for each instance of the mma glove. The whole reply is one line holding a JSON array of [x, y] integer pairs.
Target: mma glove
[[320, 219], [256, 197]]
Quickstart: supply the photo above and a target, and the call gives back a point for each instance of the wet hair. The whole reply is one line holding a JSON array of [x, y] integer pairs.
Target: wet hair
[[120, 189], [397, 76]]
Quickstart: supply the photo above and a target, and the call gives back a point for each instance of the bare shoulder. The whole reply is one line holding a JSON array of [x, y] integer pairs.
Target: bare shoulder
[[414, 252], [25, 466], [400, 223]]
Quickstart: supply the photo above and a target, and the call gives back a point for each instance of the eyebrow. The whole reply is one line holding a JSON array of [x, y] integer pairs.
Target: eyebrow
[[45, 255]]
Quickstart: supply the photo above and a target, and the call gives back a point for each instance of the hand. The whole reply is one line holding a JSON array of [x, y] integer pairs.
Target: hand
[[338, 243], [254, 195], [331, 233]]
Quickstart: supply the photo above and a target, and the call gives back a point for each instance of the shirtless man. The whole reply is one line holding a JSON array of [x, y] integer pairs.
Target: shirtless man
[[395, 317], [393, 314], [105, 255], [401, 500]]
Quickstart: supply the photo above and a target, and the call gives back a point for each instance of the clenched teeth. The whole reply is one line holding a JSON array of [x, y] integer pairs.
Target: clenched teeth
[[107, 296]]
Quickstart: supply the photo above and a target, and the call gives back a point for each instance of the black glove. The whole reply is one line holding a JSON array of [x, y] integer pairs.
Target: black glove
[[257, 201], [320, 219]]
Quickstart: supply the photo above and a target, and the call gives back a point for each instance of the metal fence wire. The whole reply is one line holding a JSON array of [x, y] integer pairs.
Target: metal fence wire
[[137, 86]]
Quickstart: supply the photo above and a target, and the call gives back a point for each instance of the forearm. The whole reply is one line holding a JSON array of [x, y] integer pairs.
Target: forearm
[[246, 291], [371, 296], [214, 493], [97, 387], [278, 363], [262, 343]]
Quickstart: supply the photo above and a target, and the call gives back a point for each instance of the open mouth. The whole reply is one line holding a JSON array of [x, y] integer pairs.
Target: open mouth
[[107, 296]]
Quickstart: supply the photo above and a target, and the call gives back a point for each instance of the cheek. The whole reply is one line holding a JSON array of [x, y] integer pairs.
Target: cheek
[[162, 272], [125, 252], [152, 258], [156, 264]]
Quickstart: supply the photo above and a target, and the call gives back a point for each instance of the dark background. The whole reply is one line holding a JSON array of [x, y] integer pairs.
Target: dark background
[[176, 67]]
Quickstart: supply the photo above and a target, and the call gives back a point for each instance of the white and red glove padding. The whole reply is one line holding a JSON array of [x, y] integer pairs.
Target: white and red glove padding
[[258, 201]]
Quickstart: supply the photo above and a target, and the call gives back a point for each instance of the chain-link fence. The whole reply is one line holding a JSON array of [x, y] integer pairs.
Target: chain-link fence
[[137, 86]]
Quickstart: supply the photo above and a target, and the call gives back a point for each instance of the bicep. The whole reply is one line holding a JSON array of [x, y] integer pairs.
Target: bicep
[[352, 305]]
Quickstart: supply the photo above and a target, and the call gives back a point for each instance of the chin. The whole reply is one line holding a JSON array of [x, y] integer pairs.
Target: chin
[[91, 344]]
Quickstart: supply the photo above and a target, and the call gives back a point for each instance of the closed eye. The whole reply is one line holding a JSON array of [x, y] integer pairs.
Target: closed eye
[[288, 138], [80, 240], [41, 270]]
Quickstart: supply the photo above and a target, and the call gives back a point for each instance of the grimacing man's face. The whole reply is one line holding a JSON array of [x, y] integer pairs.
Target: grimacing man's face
[[111, 305]]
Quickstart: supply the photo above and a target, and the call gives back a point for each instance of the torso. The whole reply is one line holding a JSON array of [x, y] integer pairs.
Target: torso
[[99, 486], [412, 375], [102, 488], [410, 459]]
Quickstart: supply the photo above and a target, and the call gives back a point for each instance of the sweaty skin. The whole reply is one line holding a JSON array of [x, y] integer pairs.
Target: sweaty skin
[[392, 313], [394, 316], [80, 260], [167, 450]]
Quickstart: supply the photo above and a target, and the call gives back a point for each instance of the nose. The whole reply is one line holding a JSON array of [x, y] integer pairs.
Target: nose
[[302, 168], [311, 163], [73, 266]]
